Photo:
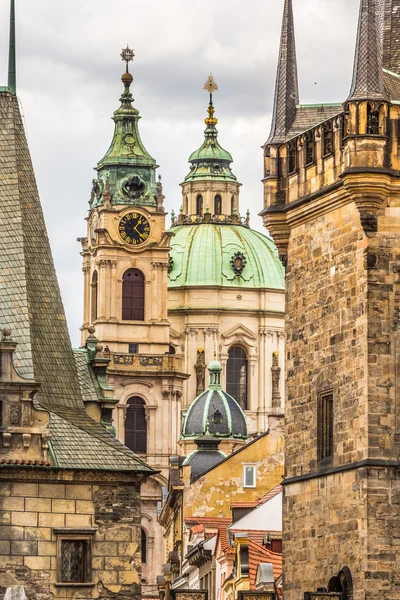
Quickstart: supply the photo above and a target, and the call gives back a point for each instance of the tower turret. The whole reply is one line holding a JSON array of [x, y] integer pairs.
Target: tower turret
[[127, 171], [210, 187]]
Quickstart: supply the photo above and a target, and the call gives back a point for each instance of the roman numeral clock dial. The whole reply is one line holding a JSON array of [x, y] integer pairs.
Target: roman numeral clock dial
[[134, 228]]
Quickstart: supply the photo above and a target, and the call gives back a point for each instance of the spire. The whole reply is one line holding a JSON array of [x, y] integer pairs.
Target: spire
[[286, 86], [127, 166], [12, 82], [367, 74], [389, 21], [211, 161]]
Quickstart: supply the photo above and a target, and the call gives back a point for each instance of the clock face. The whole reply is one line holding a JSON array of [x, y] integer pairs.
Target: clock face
[[134, 228]]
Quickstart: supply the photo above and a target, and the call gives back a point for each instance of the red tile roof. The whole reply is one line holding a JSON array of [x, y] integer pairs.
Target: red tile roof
[[245, 504], [197, 529], [252, 534], [271, 494], [208, 521], [259, 554]]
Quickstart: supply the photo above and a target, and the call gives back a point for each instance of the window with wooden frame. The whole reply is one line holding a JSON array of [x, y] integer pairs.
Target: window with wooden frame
[[249, 476], [136, 425], [133, 295], [74, 556], [325, 427], [310, 148], [328, 139]]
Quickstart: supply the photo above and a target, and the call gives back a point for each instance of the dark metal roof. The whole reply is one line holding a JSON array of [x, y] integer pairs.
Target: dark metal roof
[[389, 13], [31, 305], [286, 87], [309, 116], [368, 66]]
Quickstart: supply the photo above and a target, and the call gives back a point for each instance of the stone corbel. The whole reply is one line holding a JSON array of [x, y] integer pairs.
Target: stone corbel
[[26, 440], [6, 440]]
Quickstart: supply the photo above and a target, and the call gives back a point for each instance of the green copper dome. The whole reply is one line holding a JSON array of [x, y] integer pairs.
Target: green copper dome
[[209, 254]]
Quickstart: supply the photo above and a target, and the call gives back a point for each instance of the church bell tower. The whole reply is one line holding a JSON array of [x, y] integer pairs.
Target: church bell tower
[[125, 266]]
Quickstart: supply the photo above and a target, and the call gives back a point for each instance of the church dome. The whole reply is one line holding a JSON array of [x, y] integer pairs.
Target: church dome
[[219, 255], [214, 412]]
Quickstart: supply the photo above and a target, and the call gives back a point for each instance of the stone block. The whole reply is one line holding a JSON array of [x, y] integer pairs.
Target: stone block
[[84, 507], [51, 490], [37, 533], [5, 517], [128, 577], [25, 489], [24, 548], [47, 548], [6, 561], [37, 562], [98, 562], [117, 563], [30, 519], [38, 504], [5, 547], [119, 534], [63, 506], [78, 521], [51, 520], [5, 489], [12, 503], [105, 549], [11, 533], [126, 549], [107, 577], [79, 492], [53, 564]]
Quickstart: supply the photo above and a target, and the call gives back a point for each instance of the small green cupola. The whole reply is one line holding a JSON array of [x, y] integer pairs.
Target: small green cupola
[[210, 161], [126, 174], [214, 412]]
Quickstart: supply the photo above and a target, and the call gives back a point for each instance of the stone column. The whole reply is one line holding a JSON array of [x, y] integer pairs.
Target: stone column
[[113, 291], [276, 375], [102, 288], [270, 346], [281, 352], [261, 387], [86, 295]]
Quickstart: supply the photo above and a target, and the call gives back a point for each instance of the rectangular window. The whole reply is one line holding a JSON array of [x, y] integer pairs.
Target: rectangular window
[[133, 348], [250, 476], [74, 556], [325, 427], [310, 149]]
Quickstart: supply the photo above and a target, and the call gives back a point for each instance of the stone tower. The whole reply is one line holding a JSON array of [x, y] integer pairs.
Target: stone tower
[[125, 266], [332, 205]]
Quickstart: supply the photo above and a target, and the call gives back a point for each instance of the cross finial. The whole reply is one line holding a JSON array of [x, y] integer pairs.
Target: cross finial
[[210, 85], [127, 55]]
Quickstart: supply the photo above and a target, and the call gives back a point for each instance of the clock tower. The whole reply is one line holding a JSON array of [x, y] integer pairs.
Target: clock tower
[[125, 266]]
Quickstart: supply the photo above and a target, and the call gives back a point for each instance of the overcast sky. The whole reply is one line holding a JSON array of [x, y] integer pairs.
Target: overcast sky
[[68, 79]]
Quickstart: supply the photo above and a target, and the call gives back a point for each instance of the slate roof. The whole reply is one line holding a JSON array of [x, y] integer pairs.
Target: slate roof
[[368, 66], [392, 85], [286, 86], [309, 116], [389, 12], [31, 305], [86, 383]]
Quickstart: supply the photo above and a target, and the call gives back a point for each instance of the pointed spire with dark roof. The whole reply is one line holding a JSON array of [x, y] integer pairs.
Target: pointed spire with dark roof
[[368, 67], [286, 87], [12, 82], [389, 15]]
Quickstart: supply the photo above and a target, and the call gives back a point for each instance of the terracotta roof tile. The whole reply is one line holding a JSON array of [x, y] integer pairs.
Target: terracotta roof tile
[[197, 529], [271, 494], [244, 504], [259, 554], [208, 521]]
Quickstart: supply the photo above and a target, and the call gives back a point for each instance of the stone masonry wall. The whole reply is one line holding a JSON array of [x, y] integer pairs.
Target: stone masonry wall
[[29, 512], [326, 337]]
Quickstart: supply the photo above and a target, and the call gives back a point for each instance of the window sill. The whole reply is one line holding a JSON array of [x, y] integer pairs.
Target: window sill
[[74, 585]]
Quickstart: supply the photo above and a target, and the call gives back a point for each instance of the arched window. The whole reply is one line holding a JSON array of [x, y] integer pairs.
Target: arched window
[[342, 583], [133, 295], [144, 546], [136, 426], [217, 205], [372, 120], [199, 206], [186, 205], [232, 205], [236, 375], [94, 296]]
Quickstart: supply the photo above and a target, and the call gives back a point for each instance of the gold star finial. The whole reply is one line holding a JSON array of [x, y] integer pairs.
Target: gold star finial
[[210, 85], [127, 55]]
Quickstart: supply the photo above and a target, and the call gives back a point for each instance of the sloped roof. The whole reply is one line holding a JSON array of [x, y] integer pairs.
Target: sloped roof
[[86, 383], [267, 515], [271, 494], [392, 85], [259, 554], [31, 305], [311, 115], [389, 12]]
